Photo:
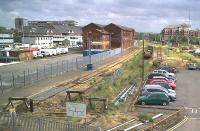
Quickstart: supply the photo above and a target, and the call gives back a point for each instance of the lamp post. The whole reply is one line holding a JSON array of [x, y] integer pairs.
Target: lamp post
[[143, 58], [89, 46]]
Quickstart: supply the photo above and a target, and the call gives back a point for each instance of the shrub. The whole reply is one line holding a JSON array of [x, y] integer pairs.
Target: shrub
[[143, 117], [156, 63]]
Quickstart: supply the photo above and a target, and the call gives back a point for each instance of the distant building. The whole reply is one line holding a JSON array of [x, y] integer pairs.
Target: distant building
[[39, 40], [59, 33], [46, 23], [178, 30], [108, 36], [6, 40], [20, 23]]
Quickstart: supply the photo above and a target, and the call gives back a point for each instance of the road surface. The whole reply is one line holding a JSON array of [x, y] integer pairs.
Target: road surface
[[188, 95]]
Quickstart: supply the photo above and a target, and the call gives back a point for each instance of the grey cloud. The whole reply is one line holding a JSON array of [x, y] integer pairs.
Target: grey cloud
[[143, 15]]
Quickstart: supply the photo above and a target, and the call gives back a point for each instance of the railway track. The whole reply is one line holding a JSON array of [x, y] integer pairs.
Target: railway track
[[82, 82]]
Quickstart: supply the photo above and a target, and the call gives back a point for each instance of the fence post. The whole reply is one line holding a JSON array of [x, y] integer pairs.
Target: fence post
[[39, 125], [37, 73], [29, 80], [1, 84], [13, 122], [72, 65], [77, 63], [51, 70], [24, 78], [62, 67], [13, 80], [44, 70], [67, 65], [57, 68]]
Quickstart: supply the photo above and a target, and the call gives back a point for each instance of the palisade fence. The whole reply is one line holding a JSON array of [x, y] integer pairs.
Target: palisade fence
[[34, 123], [26, 77]]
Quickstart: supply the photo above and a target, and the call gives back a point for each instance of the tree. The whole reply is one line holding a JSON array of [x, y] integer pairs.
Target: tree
[[194, 40], [2, 29], [138, 36]]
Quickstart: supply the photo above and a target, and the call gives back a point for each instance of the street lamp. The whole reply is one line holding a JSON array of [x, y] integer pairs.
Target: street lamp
[[143, 58], [89, 46], [111, 34]]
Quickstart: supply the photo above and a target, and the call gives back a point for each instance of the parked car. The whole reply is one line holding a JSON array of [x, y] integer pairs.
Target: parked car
[[171, 83], [161, 83], [156, 98], [39, 54], [169, 69], [46, 52], [150, 76], [157, 88], [165, 72], [192, 66]]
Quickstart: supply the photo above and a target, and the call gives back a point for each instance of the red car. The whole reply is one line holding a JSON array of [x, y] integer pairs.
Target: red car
[[171, 83]]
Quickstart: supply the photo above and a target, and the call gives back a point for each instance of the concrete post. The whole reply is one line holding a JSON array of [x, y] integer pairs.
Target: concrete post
[[13, 80], [1, 84], [37, 74]]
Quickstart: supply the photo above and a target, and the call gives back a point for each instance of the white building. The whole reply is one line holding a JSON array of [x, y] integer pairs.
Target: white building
[[47, 23], [39, 40], [62, 35], [6, 40], [74, 41]]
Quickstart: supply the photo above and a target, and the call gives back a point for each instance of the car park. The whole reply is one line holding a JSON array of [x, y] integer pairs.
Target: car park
[[156, 98], [148, 89]]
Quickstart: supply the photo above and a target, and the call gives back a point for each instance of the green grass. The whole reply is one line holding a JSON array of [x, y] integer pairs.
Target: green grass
[[132, 72]]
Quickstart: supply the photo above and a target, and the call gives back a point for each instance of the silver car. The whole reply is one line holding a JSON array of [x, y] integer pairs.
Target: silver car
[[192, 66]]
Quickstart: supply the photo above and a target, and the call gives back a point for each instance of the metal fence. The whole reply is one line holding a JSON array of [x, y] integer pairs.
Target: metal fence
[[26, 77], [34, 123]]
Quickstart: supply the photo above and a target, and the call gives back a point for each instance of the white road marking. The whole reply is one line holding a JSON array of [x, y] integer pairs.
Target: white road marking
[[193, 110]]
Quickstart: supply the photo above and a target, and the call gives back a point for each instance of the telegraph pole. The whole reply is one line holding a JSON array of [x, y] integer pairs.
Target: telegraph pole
[[143, 60], [89, 44]]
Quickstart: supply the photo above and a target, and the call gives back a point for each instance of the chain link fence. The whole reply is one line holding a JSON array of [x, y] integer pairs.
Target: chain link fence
[[15, 122], [26, 77]]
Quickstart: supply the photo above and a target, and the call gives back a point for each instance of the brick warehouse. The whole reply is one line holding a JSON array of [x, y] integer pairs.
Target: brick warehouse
[[108, 37], [121, 36], [99, 37]]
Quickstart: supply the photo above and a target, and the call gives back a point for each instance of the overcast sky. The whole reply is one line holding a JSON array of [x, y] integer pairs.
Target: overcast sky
[[143, 15]]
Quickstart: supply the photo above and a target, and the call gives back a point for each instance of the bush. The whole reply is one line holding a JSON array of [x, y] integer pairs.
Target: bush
[[143, 117], [156, 63]]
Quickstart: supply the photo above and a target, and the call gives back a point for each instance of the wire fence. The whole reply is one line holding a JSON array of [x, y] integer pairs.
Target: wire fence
[[29, 76], [34, 123]]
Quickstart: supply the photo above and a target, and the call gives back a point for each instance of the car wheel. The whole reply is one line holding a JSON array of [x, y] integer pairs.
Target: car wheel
[[143, 103], [164, 103]]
